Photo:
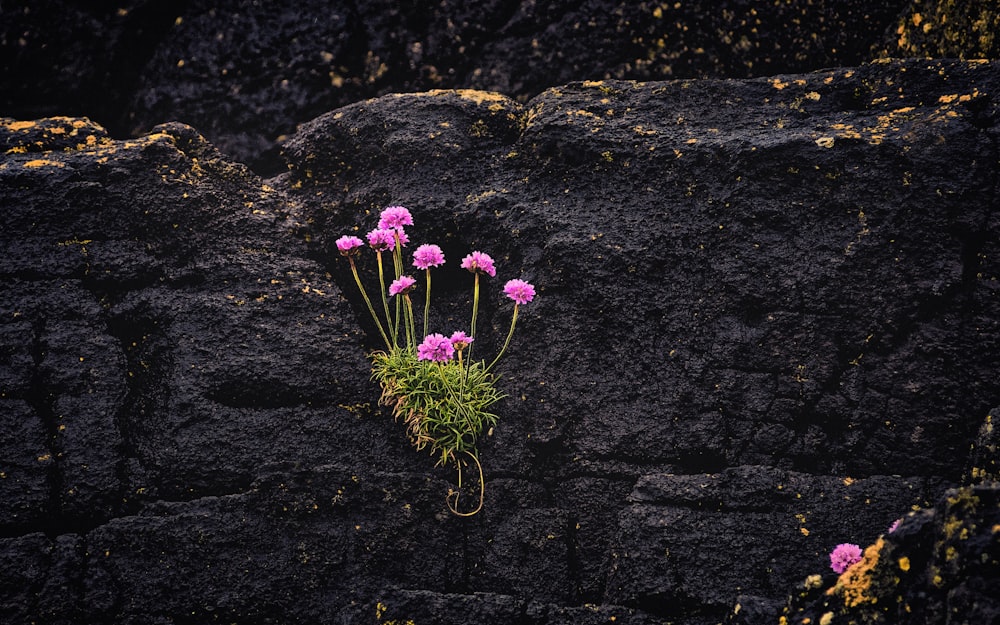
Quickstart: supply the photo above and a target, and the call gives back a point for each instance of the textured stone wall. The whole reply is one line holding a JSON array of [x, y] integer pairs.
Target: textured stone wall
[[767, 323], [246, 72]]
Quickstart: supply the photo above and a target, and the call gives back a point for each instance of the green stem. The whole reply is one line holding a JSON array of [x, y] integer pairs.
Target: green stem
[[397, 265], [371, 309], [410, 330], [393, 331], [427, 301], [397, 256], [475, 311], [513, 321], [482, 489]]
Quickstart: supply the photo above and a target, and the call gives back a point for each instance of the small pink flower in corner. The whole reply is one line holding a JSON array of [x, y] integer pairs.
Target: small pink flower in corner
[[381, 239], [394, 218], [401, 285], [428, 256], [349, 246], [460, 340], [520, 291], [478, 261], [436, 348], [844, 556]]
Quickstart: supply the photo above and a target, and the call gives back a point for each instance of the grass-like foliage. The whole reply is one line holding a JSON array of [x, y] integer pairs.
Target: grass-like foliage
[[433, 385], [444, 405]]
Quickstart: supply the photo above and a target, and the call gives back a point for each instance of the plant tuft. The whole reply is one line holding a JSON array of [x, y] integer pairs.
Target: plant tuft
[[432, 384]]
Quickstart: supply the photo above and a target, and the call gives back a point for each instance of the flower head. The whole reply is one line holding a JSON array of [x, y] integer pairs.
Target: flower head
[[478, 261], [349, 246], [520, 291], [381, 239], [894, 526], [843, 556], [436, 347], [402, 284], [394, 218], [428, 256], [460, 340]]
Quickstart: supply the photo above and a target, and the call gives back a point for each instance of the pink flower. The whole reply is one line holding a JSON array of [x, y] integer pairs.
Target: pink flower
[[349, 245], [403, 239], [436, 347], [895, 524], [394, 218], [844, 556], [477, 261], [402, 284], [460, 340], [381, 239], [519, 291], [428, 256]]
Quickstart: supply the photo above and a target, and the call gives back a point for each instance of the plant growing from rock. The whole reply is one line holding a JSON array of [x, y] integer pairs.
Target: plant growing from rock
[[431, 381], [844, 556]]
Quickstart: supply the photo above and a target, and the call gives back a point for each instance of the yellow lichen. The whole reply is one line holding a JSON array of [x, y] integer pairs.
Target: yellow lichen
[[19, 125], [41, 162], [854, 585], [497, 101]]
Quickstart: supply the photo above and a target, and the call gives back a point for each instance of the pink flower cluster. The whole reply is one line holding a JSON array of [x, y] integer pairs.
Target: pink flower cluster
[[428, 256], [390, 235], [439, 348], [401, 285], [844, 556], [395, 218], [381, 239], [348, 245], [479, 262], [391, 225], [520, 291]]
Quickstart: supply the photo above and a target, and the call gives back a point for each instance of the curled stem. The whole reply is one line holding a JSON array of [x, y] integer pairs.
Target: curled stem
[[453, 506]]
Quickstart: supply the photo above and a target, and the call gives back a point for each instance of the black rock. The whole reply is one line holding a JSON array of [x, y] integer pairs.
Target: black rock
[[766, 323]]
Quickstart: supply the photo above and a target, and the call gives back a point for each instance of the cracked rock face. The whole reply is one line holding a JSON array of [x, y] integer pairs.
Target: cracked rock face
[[767, 323]]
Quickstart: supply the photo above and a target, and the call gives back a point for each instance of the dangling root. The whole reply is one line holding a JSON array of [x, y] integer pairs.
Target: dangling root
[[456, 493]]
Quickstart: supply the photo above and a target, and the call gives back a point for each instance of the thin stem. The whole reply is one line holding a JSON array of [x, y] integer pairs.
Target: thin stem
[[427, 301], [513, 321], [397, 255], [475, 311], [393, 332], [482, 489], [410, 330], [397, 265], [371, 309]]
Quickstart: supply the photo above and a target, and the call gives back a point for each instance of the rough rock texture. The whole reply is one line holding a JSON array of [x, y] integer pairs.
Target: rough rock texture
[[939, 566], [246, 72], [965, 29], [767, 322]]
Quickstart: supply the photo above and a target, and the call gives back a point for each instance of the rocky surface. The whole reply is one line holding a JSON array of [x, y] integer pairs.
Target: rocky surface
[[245, 72], [767, 323], [964, 29], [940, 566]]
